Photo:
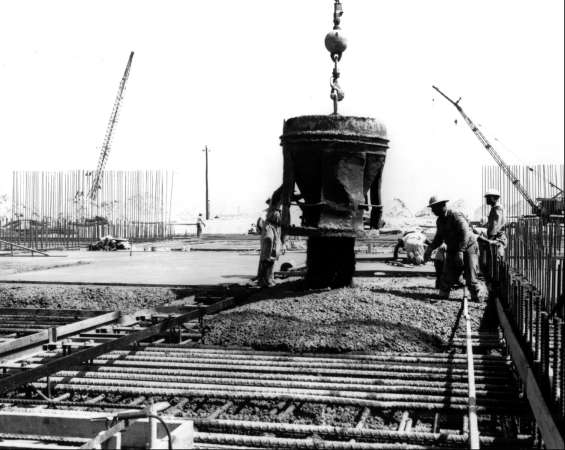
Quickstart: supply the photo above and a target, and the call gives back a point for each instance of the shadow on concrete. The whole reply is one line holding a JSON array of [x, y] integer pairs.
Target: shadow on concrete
[[420, 296], [376, 273]]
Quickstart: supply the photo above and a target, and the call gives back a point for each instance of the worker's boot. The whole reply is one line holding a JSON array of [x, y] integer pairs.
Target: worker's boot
[[443, 294]]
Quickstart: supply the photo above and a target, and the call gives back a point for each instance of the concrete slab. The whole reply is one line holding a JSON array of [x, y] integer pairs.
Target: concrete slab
[[178, 268]]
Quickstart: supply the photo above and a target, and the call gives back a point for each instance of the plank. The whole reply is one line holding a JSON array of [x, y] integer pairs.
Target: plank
[[546, 423]]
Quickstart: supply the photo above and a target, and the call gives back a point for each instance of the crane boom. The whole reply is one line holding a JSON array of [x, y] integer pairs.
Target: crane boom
[[505, 168], [106, 145]]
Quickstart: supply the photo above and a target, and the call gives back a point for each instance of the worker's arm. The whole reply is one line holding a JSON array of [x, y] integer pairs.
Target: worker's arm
[[462, 230], [438, 238]]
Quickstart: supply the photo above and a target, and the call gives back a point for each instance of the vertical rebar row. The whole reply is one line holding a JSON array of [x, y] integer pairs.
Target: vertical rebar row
[[544, 356], [562, 373], [556, 361], [537, 332], [51, 209]]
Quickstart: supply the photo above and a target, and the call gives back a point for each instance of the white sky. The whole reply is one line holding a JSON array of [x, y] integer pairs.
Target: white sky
[[226, 73]]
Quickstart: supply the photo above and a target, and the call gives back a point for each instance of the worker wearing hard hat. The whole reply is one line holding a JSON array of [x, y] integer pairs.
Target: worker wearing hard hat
[[492, 243], [462, 252]]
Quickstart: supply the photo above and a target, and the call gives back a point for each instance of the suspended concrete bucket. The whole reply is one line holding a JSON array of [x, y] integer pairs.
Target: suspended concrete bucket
[[337, 163]]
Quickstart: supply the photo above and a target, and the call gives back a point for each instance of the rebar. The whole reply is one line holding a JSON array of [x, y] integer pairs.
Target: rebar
[[415, 357], [406, 372], [557, 356], [186, 388], [544, 359], [376, 435], [446, 388], [270, 442], [403, 402], [380, 361], [52, 209], [387, 379], [562, 373], [297, 365]]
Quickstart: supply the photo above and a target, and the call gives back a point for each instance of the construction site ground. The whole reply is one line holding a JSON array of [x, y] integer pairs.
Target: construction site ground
[[392, 313], [391, 308]]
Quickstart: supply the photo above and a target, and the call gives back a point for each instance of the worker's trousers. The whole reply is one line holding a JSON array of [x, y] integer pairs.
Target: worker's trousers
[[265, 275], [491, 255], [452, 270]]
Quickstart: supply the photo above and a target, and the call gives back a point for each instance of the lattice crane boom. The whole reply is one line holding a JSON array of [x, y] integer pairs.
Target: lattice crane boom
[[106, 145], [505, 168]]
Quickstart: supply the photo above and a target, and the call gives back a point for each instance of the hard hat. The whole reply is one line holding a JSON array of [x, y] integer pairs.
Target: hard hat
[[434, 201], [492, 193]]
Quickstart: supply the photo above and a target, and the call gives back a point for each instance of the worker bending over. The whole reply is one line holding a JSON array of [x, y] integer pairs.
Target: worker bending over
[[492, 244], [413, 241], [462, 251]]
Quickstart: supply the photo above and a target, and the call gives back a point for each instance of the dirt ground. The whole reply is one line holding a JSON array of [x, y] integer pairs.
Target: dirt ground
[[380, 314]]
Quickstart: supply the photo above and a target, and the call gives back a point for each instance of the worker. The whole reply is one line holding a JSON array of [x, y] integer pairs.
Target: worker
[[200, 225], [271, 247], [492, 244], [413, 241], [462, 251]]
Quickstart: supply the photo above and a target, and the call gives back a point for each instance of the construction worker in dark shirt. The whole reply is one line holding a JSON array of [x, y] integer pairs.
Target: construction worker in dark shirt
[[492, 243], [462, 252]]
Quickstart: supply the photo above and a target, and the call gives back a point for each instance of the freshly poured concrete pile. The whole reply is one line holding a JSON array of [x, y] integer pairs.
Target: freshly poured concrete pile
[[394, 314], [125, 299]]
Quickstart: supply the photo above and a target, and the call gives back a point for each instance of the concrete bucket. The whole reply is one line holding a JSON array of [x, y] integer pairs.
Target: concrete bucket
[[337, 163]]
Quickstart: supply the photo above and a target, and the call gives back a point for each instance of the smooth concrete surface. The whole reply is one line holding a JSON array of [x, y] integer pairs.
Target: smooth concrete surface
[[179, 268]]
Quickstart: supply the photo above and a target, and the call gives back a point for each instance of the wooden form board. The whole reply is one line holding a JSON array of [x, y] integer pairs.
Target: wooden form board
[[549, 430], [80, 424]]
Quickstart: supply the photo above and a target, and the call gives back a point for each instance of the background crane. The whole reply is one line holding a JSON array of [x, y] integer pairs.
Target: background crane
[[96, 184], [505, 168]]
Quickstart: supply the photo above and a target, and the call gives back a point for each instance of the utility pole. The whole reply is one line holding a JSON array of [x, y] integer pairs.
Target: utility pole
[[207, 198]]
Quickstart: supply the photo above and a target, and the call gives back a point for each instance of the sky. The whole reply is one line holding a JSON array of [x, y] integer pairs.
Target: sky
[[226, 73]]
